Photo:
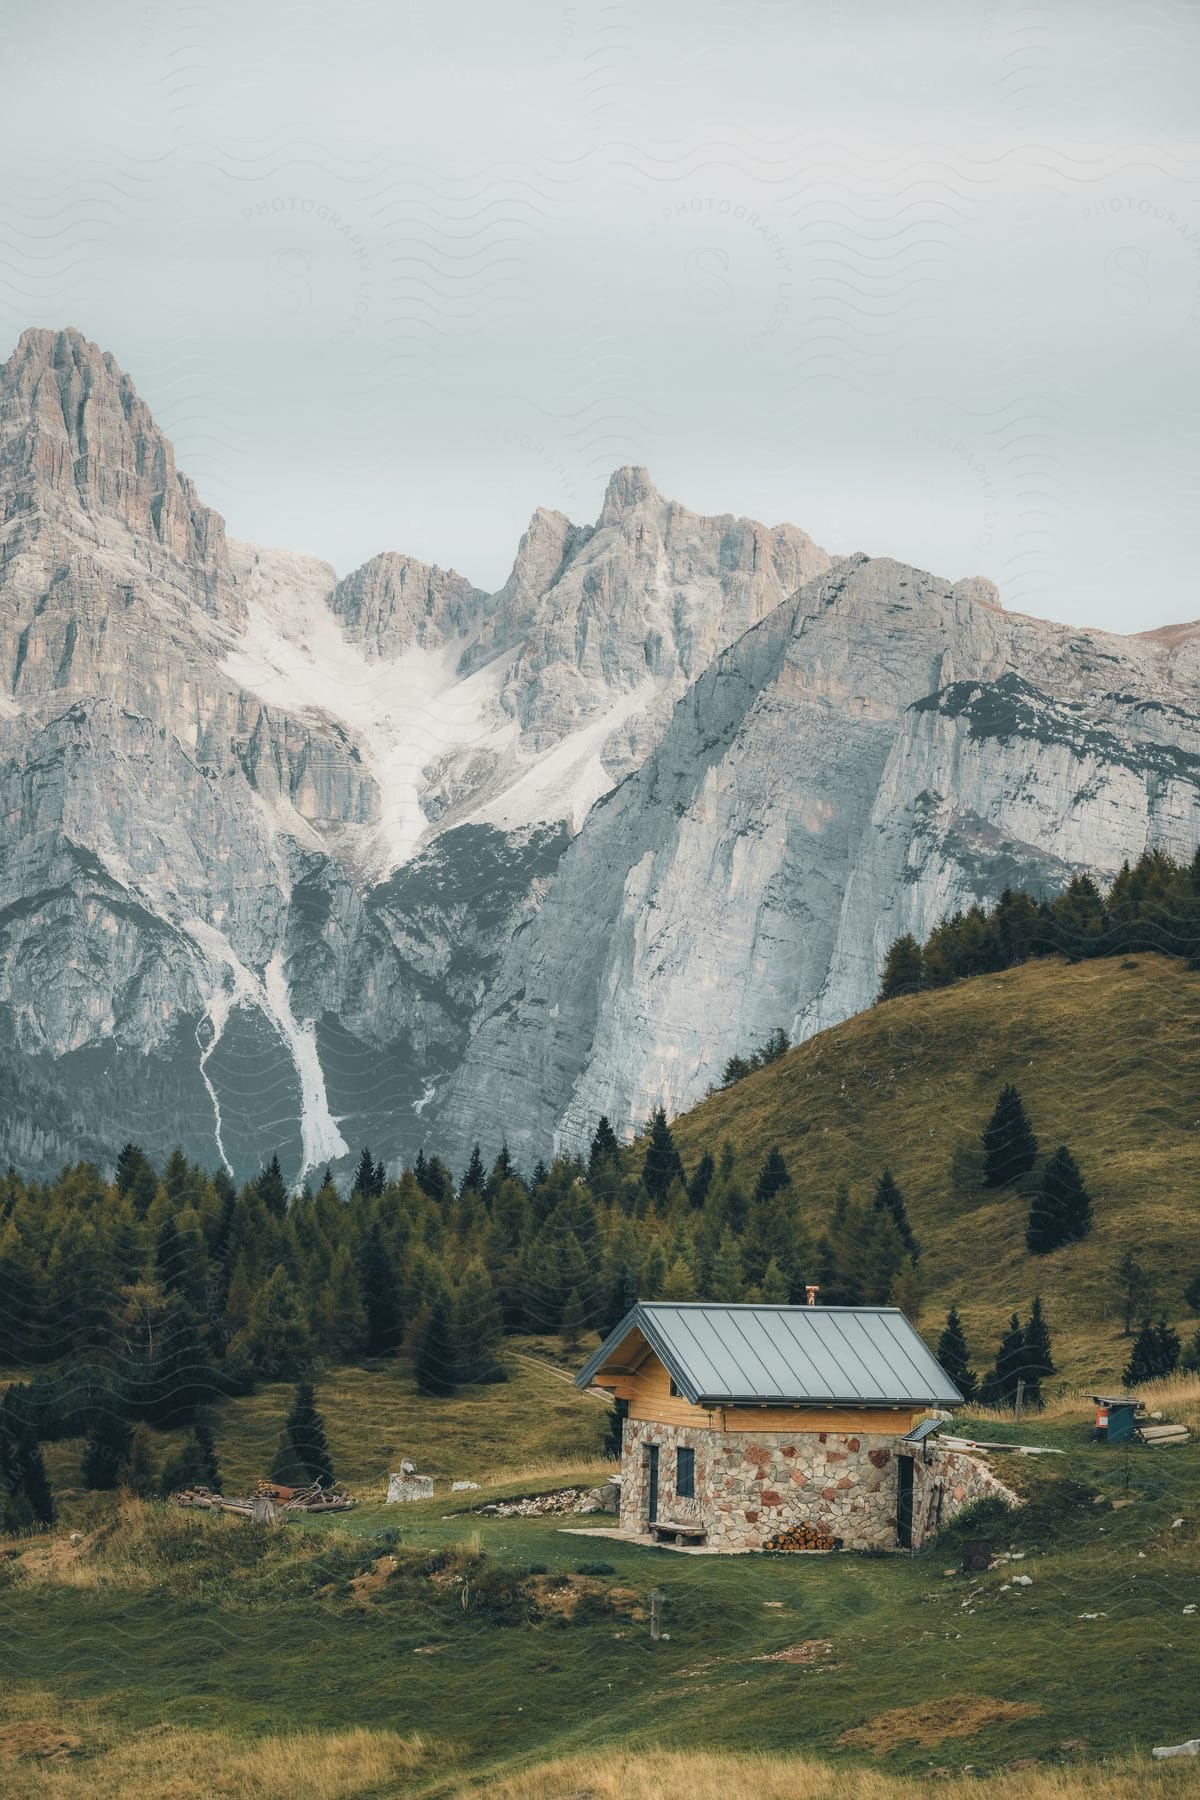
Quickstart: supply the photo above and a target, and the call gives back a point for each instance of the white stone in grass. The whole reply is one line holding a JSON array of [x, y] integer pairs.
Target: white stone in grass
[[1190, 1748], [1022, 1580]]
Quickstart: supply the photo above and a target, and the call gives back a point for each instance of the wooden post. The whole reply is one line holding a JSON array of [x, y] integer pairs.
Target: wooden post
[[1019, 1403], [656, 1600]]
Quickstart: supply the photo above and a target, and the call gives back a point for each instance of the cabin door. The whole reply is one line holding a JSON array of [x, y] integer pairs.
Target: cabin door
[[904, 1503], [652, 1483]]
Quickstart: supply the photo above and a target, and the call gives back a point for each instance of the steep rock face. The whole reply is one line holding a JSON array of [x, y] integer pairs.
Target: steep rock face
[[394, 602], [82, 463], [296, 864], [883, 750], [639, 605]]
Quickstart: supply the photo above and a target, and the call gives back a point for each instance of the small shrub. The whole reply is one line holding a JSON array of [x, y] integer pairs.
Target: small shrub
[[595, 1568]]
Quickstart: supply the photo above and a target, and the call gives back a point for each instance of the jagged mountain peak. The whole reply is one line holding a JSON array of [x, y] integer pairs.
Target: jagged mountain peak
[[394, 602], [84, 466], [627, 488]]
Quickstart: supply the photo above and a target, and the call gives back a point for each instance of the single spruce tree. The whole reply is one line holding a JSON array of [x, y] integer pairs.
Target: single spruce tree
[[903, 969], [1010, 1365], [272, 1190], [1038, 1357], [572, 1324], [604, 1147], [661, 1165], [25, 1496], [1009, 1146], [474, 1175], [380, 1296], [888, 1198], [304, 1439], [368, 1177], [701, 1181], [434, 1364], [478, 1327], [107, 1445], [1062, 1212], [954, 1356], [773, 1177], [1143, 1358]]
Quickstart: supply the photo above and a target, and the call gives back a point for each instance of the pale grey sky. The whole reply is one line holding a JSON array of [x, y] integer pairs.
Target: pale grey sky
[[923, 279]]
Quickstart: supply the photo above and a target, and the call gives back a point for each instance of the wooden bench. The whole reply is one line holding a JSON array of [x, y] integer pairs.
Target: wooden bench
[[678, 1532]]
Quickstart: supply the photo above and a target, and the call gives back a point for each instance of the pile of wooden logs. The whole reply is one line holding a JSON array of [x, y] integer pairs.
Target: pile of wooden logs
[[307, 1500], [803, 1537], [1160, 1437]]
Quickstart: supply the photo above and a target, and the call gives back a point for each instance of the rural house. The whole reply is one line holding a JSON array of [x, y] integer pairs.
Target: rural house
[[763, 1427]]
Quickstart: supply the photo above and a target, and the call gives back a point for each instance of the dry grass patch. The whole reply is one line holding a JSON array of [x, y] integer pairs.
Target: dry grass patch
[[174, 1764], [687, 1776], [931, 1722]]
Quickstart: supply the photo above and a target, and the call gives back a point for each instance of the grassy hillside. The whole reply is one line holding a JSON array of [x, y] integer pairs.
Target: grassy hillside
[[1107, 1057], [374, 1416], [415, 1650]]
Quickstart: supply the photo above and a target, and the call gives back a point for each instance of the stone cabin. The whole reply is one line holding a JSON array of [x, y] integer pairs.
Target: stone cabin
[[782, 1426]]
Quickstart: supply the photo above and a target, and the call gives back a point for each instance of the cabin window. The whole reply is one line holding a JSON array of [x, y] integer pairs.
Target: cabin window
[[685, 1474]]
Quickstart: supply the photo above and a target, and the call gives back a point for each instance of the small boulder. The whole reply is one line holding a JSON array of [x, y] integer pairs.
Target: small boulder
[[408, 1486]]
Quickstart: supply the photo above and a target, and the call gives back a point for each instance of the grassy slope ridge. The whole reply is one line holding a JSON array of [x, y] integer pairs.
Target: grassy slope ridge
[[470, 1649], [1107, 1057]]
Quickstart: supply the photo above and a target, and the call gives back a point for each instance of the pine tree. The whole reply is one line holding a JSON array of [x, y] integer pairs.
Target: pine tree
[[138, 1471], [341, 1315], [903, 968], [604, 1147], [701, 1181], [571, 1327], [380, 1296], [888, 1198], [474, 1175], [1038, 1363], [478, 1327], [727, 1283], [433, 1363], [1062, 1211], [1155, 1352], [955, 1358], [272, 1190], [1009, 1146], [773, 1177], [277, 1337], [773, 1287], [1000, 1387], [25, 1496], [1191, 1293], [368, 1178], [193, 1465], [107, 1445], [680, 1283], [304, 1441], [662, 1165], [1191, 1356]]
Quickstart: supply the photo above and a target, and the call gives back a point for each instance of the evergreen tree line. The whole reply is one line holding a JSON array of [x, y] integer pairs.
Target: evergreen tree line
[[1024, 1355], [1155, 905], [134, 1304], [776, 1044]]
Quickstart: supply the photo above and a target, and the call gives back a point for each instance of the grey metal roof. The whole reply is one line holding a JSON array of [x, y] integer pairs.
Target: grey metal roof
[[785, 1355]]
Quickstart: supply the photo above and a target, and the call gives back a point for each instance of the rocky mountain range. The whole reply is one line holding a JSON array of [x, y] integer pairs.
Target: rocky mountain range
[[292, 863]]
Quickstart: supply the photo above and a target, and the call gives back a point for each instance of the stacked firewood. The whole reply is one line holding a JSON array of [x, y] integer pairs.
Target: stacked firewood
[[803, 1537]]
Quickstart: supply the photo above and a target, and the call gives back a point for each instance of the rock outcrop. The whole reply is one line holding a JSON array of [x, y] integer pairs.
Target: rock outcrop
[[296, 864]]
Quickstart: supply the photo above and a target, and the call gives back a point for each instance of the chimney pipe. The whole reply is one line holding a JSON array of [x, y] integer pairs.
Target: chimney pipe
[[811, 1291]]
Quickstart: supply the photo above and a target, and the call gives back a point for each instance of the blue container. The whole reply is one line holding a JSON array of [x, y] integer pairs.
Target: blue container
[[1114, 1419]]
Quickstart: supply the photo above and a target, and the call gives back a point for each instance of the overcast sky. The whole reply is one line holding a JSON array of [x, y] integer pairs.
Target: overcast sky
[[923, 279]]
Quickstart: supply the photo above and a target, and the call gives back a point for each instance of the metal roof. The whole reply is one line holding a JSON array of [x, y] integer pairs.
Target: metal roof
[[784, 1355]]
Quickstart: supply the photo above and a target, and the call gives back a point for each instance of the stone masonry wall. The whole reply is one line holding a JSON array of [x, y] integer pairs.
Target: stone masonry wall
[[750, 1486]]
